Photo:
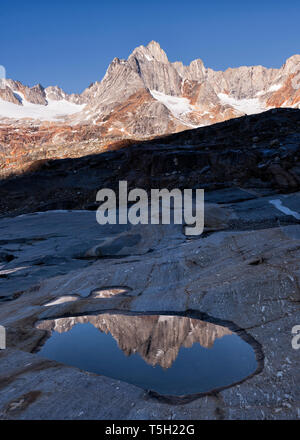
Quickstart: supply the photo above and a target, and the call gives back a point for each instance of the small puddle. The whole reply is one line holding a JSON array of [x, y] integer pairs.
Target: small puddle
[[167, 354]]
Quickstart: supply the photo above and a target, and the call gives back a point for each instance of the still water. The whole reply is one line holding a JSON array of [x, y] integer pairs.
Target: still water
[[168, 354]]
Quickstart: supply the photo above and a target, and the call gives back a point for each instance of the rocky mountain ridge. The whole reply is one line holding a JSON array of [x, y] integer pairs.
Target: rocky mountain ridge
[[139, 98], [190, 95]]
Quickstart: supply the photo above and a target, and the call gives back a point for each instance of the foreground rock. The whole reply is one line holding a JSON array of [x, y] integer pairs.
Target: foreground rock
[[245, 277], [60, 267]]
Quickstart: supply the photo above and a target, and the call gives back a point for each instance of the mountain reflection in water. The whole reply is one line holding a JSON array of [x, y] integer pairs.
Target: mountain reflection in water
[[168, 354], [156, 338]]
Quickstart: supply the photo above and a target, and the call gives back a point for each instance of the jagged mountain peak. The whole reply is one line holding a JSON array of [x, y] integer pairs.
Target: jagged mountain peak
[[157, 52], [154, 44], [292, 63], [146, 96], [151, 52]]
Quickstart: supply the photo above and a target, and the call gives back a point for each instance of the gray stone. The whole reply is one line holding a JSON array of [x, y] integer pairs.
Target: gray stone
[[249, 278]]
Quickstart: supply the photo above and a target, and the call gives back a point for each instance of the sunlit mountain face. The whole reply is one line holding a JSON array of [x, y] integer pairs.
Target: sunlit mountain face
[[139, 98]]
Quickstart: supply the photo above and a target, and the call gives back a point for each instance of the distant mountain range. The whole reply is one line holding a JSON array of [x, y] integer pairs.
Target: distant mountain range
[[138, 98]]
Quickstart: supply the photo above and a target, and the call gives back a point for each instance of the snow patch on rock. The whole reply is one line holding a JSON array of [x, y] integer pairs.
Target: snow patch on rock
[[248, 106], [177, 106], [54, 111]]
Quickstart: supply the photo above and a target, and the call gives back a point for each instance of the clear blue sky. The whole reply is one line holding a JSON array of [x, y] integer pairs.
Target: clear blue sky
[[71, 42]]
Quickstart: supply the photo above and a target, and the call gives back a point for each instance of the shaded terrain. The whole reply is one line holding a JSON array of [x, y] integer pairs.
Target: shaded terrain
[[259, 153]]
